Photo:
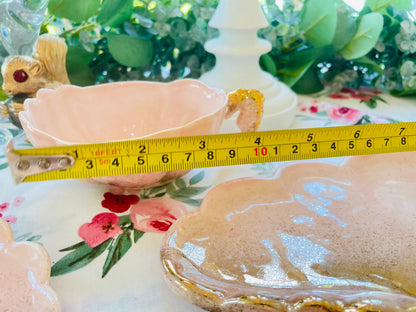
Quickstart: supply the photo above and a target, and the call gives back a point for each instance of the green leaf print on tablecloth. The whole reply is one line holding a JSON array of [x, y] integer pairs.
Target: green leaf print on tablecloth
[[153, 210]]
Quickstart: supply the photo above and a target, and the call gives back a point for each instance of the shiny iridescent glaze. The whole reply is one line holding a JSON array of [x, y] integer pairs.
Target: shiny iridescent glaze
[[319, 237], [24, 275]]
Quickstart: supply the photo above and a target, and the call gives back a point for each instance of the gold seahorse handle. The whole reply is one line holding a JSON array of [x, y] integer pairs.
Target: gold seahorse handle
[[250, 105]]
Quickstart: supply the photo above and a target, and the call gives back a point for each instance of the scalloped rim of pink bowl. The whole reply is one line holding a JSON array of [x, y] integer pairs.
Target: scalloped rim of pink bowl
[[29, 128]]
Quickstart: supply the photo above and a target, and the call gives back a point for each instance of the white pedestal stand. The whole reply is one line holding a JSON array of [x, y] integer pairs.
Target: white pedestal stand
[[237, 52]]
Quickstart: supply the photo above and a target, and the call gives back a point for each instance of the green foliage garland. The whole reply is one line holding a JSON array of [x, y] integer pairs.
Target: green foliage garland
[[322, 43]]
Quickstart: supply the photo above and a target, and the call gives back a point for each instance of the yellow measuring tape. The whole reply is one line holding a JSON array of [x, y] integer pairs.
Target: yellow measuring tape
[[168, 154]]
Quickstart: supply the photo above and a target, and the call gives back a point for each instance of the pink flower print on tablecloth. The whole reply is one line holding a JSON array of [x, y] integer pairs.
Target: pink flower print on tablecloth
[[314, 107], [103, 226], [156, 215], [4, 207], [18, 201], [344, 114], [118, 203], [9, 218]]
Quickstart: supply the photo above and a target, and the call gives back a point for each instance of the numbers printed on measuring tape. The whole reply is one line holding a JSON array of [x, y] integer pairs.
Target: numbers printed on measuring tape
[[140, 160], [202, 144], [210, 155], [264, 151], [295, 149], [90, 164], [142, 149], [238, 148], [261, 151], [165, 158]]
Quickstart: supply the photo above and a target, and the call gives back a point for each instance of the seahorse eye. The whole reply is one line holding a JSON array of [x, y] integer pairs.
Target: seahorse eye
[[20, 75]]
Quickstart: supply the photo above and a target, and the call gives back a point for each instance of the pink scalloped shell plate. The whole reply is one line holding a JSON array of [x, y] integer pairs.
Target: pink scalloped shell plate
[[317, 237], [24, 275]]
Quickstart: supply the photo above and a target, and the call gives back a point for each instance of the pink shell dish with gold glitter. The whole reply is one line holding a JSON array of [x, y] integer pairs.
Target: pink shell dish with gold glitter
[[317, 237], [133, 110], [24, 275]]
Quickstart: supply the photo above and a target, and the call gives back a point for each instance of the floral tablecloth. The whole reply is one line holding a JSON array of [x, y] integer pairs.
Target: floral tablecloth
[[104, 246]]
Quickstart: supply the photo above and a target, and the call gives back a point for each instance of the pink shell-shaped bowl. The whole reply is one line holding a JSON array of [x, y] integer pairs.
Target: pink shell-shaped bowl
[[123, 111], [319, 237], [24, 275]]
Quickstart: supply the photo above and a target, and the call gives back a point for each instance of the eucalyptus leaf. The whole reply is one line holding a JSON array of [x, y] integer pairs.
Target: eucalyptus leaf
[[130, 51], [366, 36], [77, 64], [378, 5], [267, 63], [78, 258], [300, 62], [346, 27], [174, 40], [309, 82], [115, 12], [318, 21], [291, 75], [320, 53], [402, 4], [370, 64], [4, 166], [117, 250], [74, 10], [381, 5]]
